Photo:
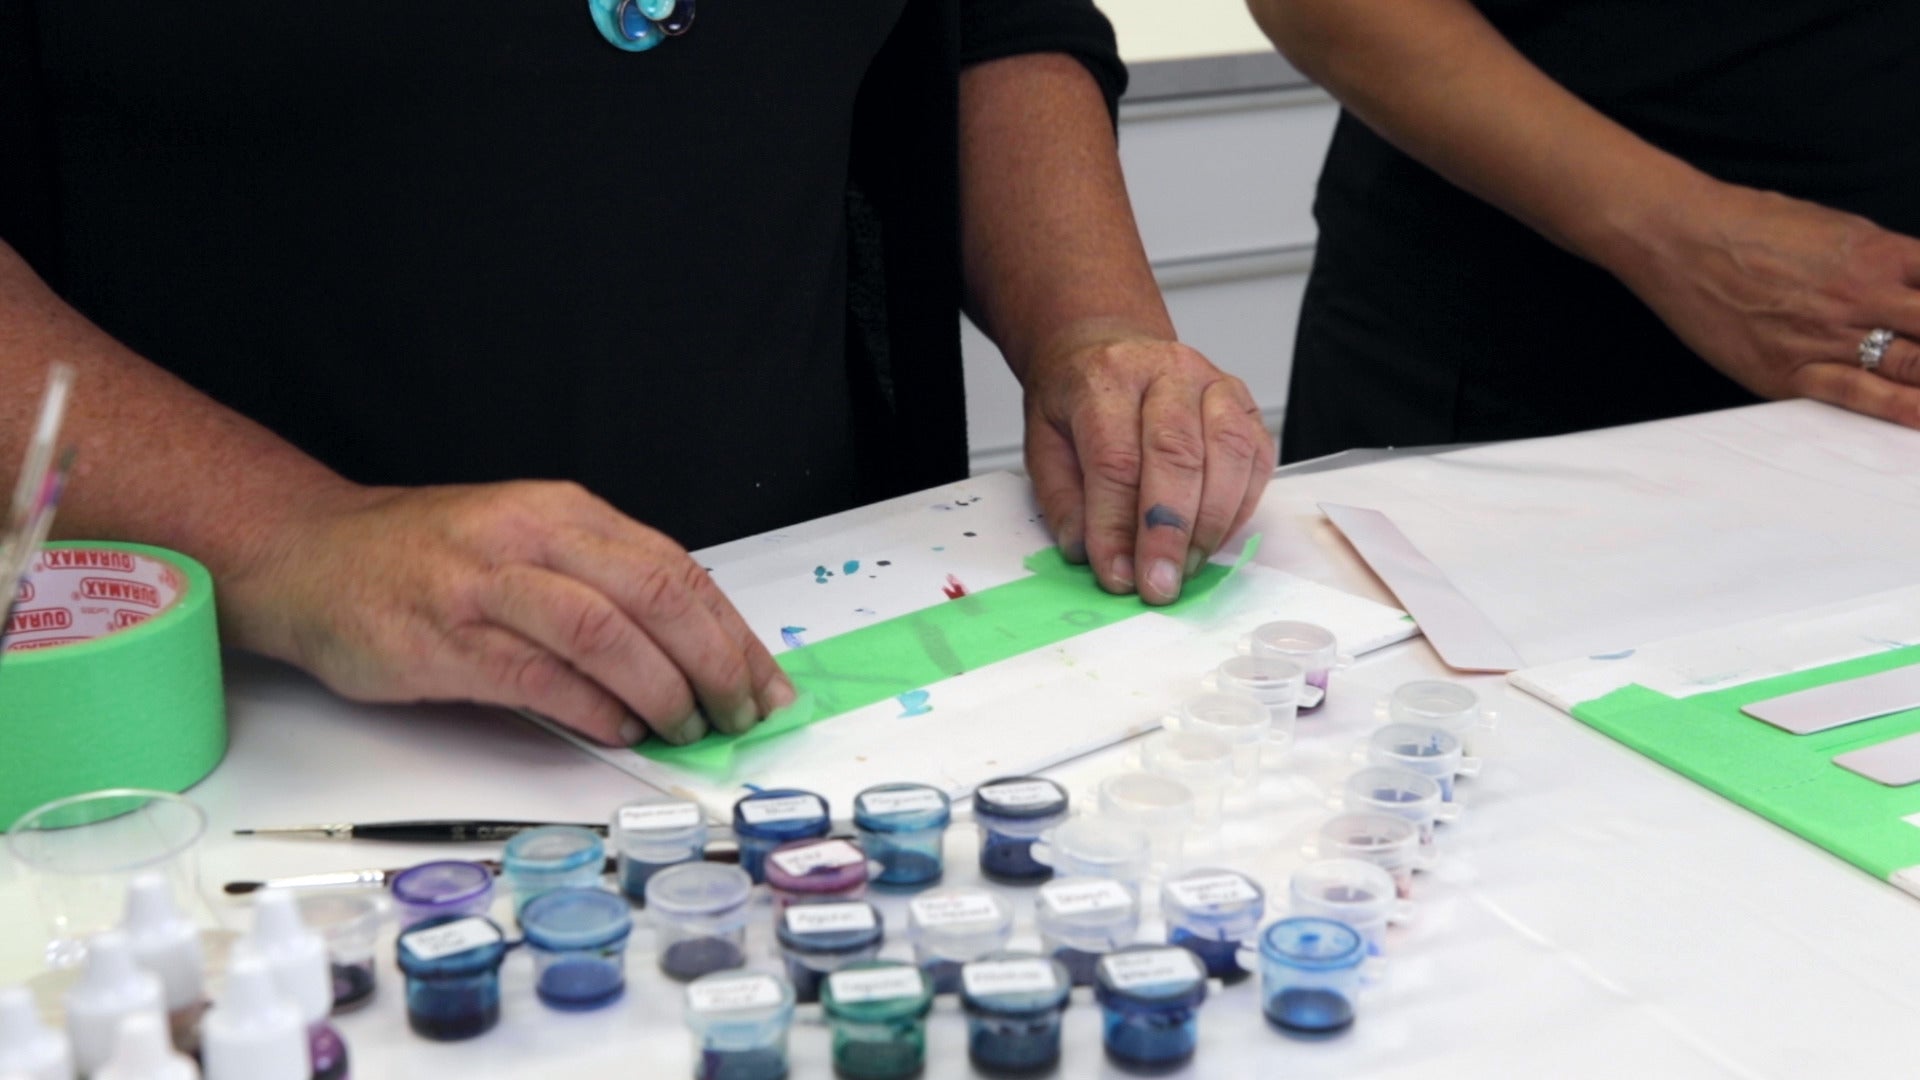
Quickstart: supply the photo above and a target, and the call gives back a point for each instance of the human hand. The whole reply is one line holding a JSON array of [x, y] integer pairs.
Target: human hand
[[532, 594], [1145, 458], [1778, 293]]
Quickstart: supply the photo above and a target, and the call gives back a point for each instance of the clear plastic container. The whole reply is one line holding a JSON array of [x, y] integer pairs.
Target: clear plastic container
[[699, 913], [1160, 806], [1236, 718], [878, 1012], [452, 969], [436, 889], [1082, 919], [350, 924], [739, 1022], [1388, 842], [1310, 975], [1430, 751], [1277, 683], [1446, 705], [816, 871], [552, 857], [1202, 762], [817, 940], [1013, 1003], [1213, 914], [1096, 847], [1384, 790], [649, 835], [1312, 647], [1356, 893], [1150, 999], [949, 927], [578, 938], [1011, 813], [764, 820], [903, 827]]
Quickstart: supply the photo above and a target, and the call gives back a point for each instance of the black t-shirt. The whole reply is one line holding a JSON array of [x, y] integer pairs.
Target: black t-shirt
[[1432, 317], [433, 244]]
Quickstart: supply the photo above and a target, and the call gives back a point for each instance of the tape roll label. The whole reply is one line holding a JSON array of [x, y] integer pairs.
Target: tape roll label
[[78, 594]]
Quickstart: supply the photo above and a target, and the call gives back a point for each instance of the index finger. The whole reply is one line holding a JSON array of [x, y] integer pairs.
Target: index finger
[[1861, 391]]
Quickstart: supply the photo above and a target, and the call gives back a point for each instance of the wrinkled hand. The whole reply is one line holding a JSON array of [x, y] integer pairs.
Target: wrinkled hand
[[1777, 294], [1145, 458], [532, 595]]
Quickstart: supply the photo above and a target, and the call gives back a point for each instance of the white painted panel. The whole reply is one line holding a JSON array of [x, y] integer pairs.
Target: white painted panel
[[1151, 30]]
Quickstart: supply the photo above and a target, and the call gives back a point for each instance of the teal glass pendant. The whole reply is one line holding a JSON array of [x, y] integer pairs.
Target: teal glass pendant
[[632, 24]]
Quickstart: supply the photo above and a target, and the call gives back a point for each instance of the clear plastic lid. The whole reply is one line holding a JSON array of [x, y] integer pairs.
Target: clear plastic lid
[[698, 890], [1237, 718], [1223, 905], [1150, 975], [1096, 847], [449, 946], [1019, 797], [1294, 639], [962, 921], [1270, 679], [444, 884], [1437, 702], [739, 999], [877, 991], [1313, 944], [555, 849], [1346, 885], [575, 919], [648, 825], [902, 808], [781, 814], [1084, 909], [1014, 982], [848, 926]]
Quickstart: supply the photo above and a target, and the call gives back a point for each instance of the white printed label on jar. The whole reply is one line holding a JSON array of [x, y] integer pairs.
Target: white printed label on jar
[[785, 808], [947, 910], [828, 918], [914, 801], [830, 854], [986, 978], [439, 942], [729, 995], [1080, 897], [1130, 971], [672, 815], [1213, 889], [881, 984], [1023, 793]]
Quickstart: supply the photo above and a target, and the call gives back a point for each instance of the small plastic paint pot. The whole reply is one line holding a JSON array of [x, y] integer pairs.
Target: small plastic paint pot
[[1011, 814], [1356, 893], [1083, 919], [817, 940], [649, 835], [1097, 847], [1013, 1003], [578, 938], [1236, 718], [1312, 647], [1160, 806], [766, 819], [699, 913], [1213, 914], [1438, 703], [1276, 683], [949, 927], [350, 924], [1383, 789], [452, 969], [1202, 762], [436, 889], [739, 1021], [552, 857], [816, 871], [1422, 748], [1388, 842], [1150, 999], [878, 1012], [1310, 975], [903, 827]]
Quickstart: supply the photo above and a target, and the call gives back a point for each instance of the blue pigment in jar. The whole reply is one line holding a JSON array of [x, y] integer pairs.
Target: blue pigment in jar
[[649, 835], [1084, 919], [766, 819], [1150, 997], [739, 1022], [552, 857], [1310, 974], [452, 969], [949, 927], [699, 911], [817, 940], [903, 827], [447, 887], [1012, 813], [1013, 1003], [878, 1011], [1213, 914], [578, 938]]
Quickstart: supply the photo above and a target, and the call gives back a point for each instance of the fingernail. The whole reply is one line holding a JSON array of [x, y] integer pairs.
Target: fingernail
[[1073, 549], [632, 731], [780, 693], [690, 731], [1123, 571], [1164, 578], [1195, 560]]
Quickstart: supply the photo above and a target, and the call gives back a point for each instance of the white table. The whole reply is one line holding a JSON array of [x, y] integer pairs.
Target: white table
[[1596, 916]]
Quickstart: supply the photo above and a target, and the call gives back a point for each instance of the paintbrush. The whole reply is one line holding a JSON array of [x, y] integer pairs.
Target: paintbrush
[[378, 879], [416, 832]]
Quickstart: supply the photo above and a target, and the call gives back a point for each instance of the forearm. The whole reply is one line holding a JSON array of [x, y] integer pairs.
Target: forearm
[[1052, 256]]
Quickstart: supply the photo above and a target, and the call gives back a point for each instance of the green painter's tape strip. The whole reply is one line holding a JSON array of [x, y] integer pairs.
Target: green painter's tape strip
[[1056, 601], [140, 706], [1788, 779]]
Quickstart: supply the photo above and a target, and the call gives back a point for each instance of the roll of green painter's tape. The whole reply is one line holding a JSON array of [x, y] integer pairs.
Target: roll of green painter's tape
[[110, 675]]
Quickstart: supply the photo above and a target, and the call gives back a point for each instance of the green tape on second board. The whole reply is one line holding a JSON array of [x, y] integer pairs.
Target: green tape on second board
[[112, 678]]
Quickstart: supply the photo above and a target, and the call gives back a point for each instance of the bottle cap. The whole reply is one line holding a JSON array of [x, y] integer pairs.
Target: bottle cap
[[29, 1048], [143, 1052], [296, 955], [164, 941], [111, 987], [253, 1032]]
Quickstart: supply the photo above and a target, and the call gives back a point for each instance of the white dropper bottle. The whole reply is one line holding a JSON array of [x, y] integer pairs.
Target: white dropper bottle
[[167, 943], [28, 1048], [253, 1032], [298, 958], [144, 1051], [111, 988]]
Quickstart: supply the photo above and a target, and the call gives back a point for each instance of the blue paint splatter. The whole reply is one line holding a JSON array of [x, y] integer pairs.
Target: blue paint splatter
[[1621, 655], [915, 703], [821, 574], [864, 611], [851, 566], [791, 635], [940, 548]]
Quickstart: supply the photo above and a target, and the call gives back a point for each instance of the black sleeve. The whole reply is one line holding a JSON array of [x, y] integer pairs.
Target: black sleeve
[[993, 29]]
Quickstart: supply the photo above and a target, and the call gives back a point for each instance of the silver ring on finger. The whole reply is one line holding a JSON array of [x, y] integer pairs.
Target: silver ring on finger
[[1873, 348]]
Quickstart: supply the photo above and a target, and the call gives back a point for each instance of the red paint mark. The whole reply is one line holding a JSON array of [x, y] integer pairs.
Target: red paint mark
[[953, 588]]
